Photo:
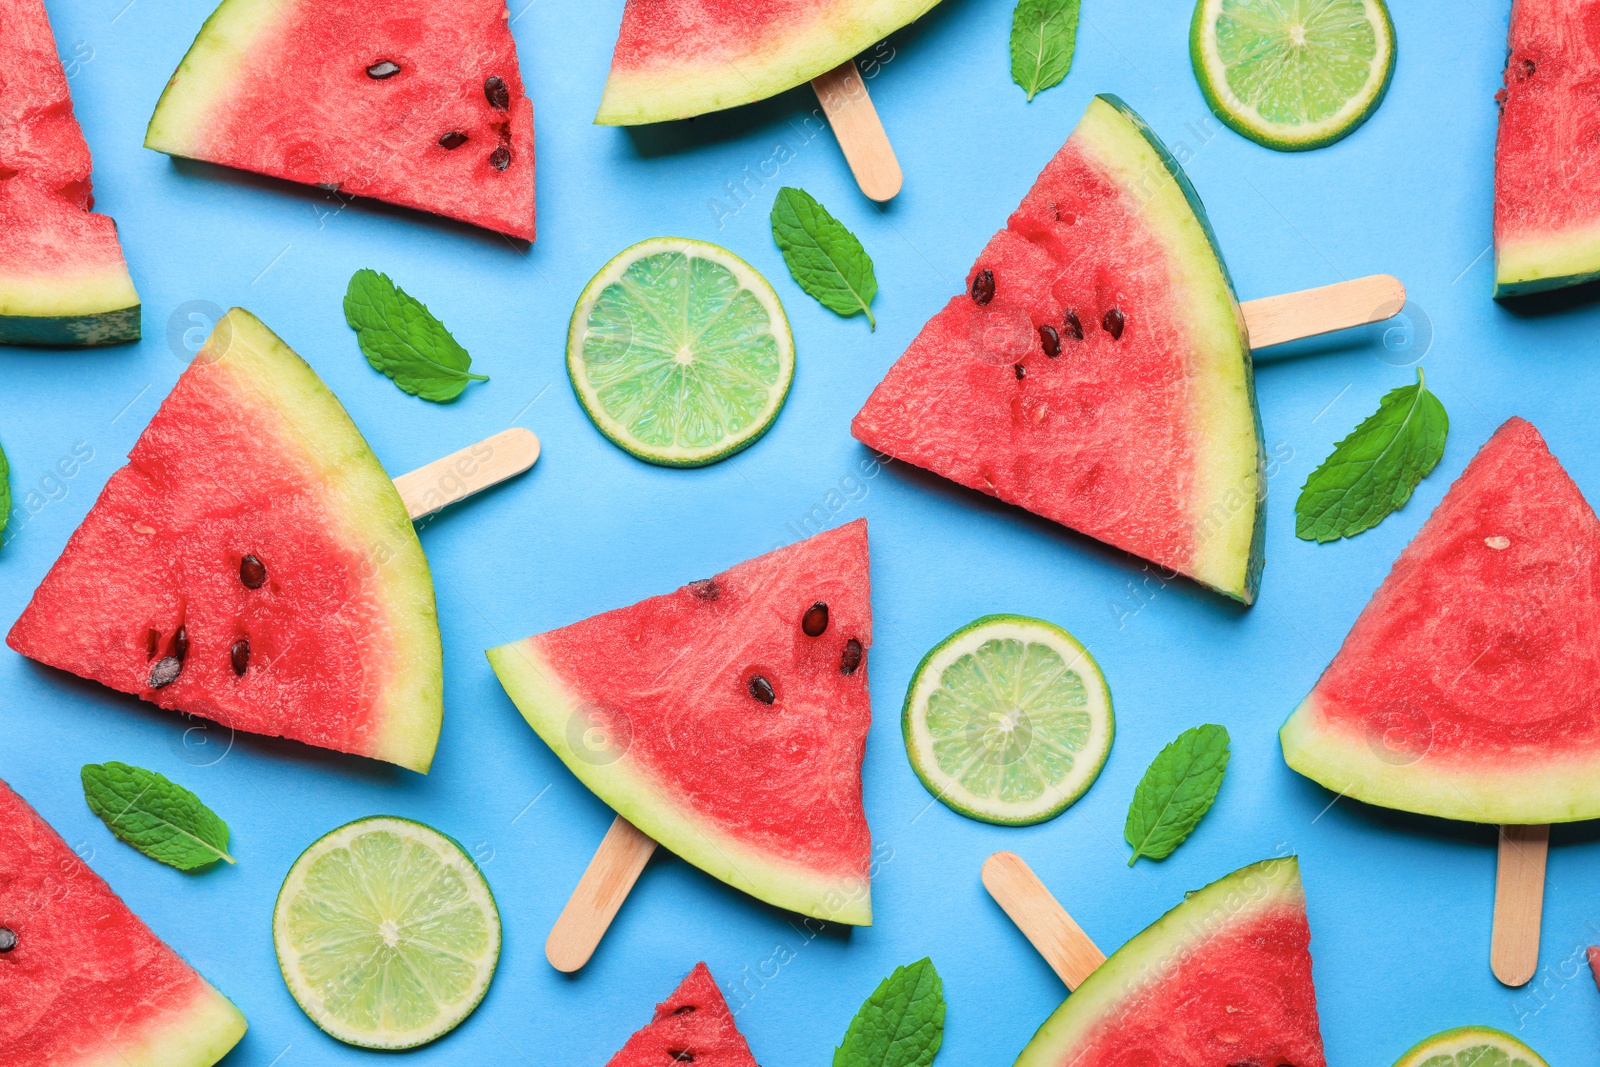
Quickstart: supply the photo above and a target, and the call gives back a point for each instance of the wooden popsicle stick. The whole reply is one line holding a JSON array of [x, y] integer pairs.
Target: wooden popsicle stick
[[1518, 903], [605, 884], [471, 470], [1041, 918], [859, 131], [1275, 319]]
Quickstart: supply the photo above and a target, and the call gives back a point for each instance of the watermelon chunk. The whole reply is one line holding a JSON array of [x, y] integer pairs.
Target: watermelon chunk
[[1141, 431], [1546, 173], [252, 511], [713, 722], [63, 280], [414, 102], [677, 58], [1222, 979], [693, 1025], [1467, 688], [86, 984]]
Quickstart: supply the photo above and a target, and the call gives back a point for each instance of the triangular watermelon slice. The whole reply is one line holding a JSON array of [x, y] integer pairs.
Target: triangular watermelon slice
[[677, 58], [415, 102], [254, 565], [1221, 980], [63, 280], [727, 720], [1469, 688], [1096, 372], [693, 1025], [84, 982]]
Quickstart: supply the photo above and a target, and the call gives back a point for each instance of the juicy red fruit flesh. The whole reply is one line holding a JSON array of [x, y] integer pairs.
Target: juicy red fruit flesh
[[693, 1025]]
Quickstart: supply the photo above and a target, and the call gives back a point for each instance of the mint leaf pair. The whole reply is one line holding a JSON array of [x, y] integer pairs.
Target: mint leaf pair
[[156, 816], [823, 257], [900, 1025], [1176, 791], [1044, 34], [401, 338]]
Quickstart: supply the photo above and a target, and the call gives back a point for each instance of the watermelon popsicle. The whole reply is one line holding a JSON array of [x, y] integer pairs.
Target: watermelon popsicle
[[1466, 688], [1097, 370]]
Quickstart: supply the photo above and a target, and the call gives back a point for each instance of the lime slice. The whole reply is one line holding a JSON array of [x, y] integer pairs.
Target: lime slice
[[1008, 720], [1471, 1046], [680, 352], [386, 933], [1292, 74]]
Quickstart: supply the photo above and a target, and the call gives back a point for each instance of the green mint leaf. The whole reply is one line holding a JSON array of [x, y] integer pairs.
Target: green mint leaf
[[5, 491], [401, 338], [900, 1025], [1372, 472], [156, 816], [1043, 36], [1176, 791], [823, 256]]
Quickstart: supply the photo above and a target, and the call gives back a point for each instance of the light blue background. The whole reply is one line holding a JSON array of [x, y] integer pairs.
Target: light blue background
[[1399, 906]]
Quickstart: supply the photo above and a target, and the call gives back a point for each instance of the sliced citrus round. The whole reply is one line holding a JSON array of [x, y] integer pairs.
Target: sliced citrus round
[[1008, 720], [1292, 74], [386, 932], [680, 352], [1471, 1046]]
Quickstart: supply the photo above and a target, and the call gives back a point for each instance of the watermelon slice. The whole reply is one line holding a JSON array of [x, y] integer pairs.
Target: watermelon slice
[[1468, 687], [1223, 978], [1097, 370], [63, 280], [1546, 173], [677, 58], [415, 102], [254, 565], [693, 1025], [84, 982], [714, 722]]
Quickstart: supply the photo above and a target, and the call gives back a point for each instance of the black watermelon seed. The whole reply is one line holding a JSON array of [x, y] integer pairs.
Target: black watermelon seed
[[152, 643], [1049, 340], [453, 139], [383, 68], [682, 1055], [1113, 321], [851, 658], [1022, 372], [495, 91], [1074, 327], [761, 689], [983, 287], [705, 589], [500, 158], [815, 621], [683, 1009], [180, 644], [165, 672], [240, 656], [8, 939], [252, 572]]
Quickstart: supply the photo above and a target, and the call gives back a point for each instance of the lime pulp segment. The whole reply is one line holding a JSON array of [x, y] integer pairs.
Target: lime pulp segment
[[387, 933], [1292, 74], [680, 352], [1008, 720], [1471, 1046]]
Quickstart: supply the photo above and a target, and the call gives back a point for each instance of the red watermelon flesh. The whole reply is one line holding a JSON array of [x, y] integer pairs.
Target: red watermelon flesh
[[1142, 431], [250, 455], [660, 709], [1470, 686], [87, 984], [693, 1025], [415, 102], [1221, 980], [62, 276], [1547, 174]]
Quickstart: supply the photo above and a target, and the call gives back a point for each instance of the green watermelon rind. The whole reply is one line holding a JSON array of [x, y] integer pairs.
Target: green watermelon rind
[[1086, 768], [208, 73], [76, 308], [374, 519], [534, 686], [197, 1035], [634, 99], [1236, 570], [1530, 265], [1237, 897], [1454, 1041], [114, 327]]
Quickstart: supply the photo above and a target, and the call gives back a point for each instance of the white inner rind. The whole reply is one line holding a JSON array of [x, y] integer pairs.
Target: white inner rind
[[199, 90], [88, 292]]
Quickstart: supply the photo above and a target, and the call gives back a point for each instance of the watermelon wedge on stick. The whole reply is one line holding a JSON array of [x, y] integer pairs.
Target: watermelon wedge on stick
[[1469, 688], [727, 721], [83, 981], [1097, 370], [254, 565], [63, 280], [1222, 979], [693, 1025]]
